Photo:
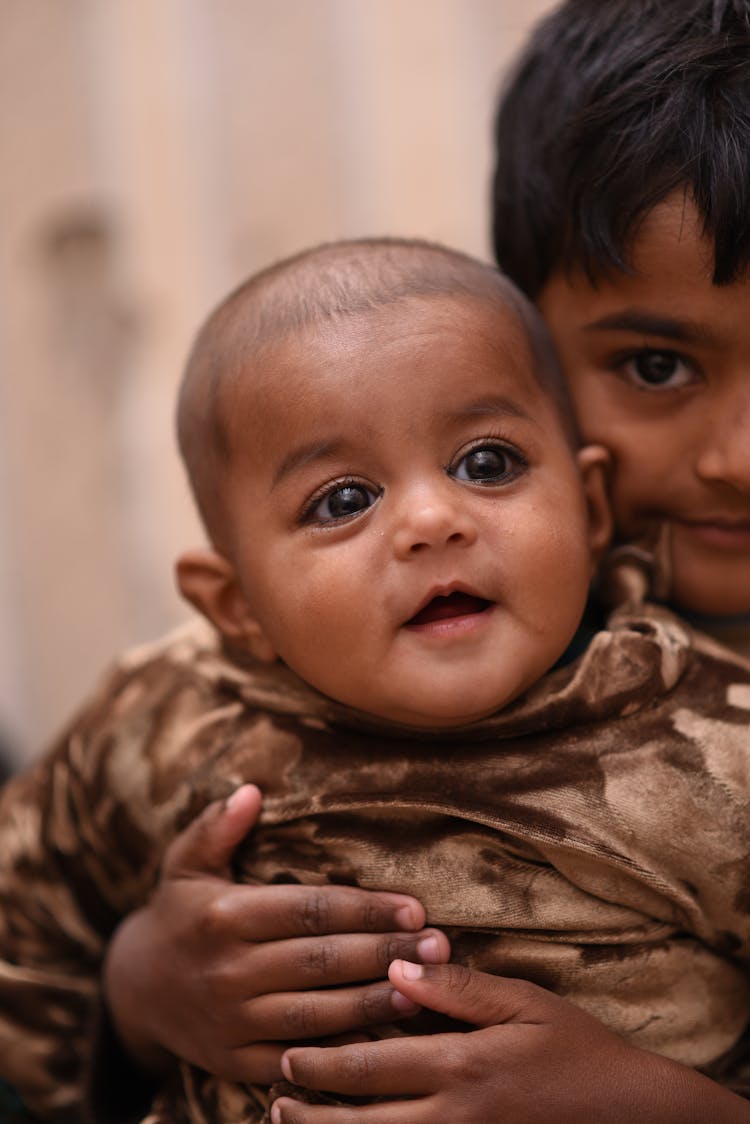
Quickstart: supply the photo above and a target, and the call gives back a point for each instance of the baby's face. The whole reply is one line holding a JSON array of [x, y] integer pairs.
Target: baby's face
[[409, 524], [658, 363]]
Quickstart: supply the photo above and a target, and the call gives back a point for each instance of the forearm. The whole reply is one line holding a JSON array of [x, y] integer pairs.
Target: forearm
[[654, 1090]]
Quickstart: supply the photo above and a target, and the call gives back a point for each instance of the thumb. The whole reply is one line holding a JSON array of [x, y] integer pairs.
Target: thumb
[[472, 997], [207, 844]]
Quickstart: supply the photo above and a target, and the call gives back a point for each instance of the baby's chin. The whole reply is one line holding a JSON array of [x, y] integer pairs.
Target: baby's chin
[[442, 716]]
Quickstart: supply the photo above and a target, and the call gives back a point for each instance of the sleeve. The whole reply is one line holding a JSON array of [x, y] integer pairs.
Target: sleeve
[[80, 845], [50, 945]]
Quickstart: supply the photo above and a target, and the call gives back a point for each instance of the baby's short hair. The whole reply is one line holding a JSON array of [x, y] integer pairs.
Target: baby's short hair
[[613, 105], [321, 285]]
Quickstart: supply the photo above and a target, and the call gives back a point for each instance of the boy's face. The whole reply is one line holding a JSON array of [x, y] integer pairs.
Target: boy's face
[[408, 523], [658, 363]]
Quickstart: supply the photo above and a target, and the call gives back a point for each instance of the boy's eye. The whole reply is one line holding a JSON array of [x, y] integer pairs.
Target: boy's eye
[[489, 464], [657, 369], [341, 502]]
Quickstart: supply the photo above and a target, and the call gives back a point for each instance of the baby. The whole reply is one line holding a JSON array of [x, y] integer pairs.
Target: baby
[[403, 532]]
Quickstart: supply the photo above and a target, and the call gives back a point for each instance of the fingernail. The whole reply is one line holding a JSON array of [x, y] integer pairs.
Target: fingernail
[[411, 971], [275, 1114], [429, 950], [286, 1067], [233, 799]]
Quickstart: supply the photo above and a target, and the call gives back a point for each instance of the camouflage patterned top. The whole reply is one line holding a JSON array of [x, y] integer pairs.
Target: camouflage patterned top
[[593, 837]]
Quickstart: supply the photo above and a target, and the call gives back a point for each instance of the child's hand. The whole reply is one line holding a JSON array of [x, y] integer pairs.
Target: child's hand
[[225, 975], [535, 1059]]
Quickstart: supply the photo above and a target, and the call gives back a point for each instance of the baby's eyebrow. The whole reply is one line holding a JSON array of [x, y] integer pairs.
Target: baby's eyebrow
[[304, 454], [330, 447], [645, 323], [496, 404]]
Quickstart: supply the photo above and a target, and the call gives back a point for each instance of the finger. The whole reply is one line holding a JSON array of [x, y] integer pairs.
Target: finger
[[286, 1016], [310, 962], [390, 1067], [288, 1111], [259, 1063], [268, 913], [346, 1039], [207, 844], [472, 997]]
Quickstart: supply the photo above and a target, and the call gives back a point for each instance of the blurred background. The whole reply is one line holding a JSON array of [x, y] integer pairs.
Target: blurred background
[[152, 154]]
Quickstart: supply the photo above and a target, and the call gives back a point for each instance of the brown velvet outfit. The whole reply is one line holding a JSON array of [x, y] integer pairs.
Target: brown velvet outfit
[[593, 837]]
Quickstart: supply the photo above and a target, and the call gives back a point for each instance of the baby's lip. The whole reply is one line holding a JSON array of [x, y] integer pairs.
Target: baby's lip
[[446, 603]]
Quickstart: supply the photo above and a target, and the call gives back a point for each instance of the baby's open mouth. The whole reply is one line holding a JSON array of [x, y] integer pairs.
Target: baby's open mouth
[[455, 604]]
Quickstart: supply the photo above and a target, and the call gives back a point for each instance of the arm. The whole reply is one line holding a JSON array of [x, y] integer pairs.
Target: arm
[[224, 975], [534, 1058], [50, 939]]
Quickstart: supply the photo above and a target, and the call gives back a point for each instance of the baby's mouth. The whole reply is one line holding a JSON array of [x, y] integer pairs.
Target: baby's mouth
[[455, 604]]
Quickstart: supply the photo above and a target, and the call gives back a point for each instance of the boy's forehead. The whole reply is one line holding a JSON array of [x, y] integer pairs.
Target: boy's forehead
[[670, 238], [672, 233], [670, 262]]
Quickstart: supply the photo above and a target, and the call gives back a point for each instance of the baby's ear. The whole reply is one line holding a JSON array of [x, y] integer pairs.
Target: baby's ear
[[594, 464], [209, 582]]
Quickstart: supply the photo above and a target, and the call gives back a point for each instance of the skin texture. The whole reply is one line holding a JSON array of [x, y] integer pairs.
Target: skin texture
[[657, 362], [424, 421], [532, 1059], [190, 976], [225, 975]]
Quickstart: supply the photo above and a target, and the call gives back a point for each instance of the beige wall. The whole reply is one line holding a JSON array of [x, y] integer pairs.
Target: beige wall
[[152, 153]]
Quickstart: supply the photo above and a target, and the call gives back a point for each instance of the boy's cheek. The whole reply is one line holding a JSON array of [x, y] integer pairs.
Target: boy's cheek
[[710, 583]]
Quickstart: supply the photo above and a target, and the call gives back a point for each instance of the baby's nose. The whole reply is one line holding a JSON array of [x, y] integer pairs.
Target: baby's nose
[[433, 522]]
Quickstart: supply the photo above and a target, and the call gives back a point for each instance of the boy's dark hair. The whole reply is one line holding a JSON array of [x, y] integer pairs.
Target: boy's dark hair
[[613, 105]]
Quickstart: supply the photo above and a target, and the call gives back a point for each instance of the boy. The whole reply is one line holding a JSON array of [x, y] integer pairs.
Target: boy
[[622, 208], [403, 535]]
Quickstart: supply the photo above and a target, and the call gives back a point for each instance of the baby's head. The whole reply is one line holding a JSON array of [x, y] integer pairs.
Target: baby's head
[[380, 445], [622, 207]]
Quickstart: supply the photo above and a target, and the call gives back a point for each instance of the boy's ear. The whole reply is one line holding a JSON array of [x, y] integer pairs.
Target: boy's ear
[[209, 582], [594, 463]]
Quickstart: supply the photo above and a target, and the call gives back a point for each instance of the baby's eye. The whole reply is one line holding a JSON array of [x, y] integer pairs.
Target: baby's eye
[[341, 502], [658, 369], [489, 464]]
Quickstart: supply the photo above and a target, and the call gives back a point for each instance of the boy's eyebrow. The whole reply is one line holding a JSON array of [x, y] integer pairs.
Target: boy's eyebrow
[[647, 323]]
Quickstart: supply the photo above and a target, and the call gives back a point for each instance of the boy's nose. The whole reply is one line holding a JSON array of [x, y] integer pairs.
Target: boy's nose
[[432, 521], [724, 455]]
